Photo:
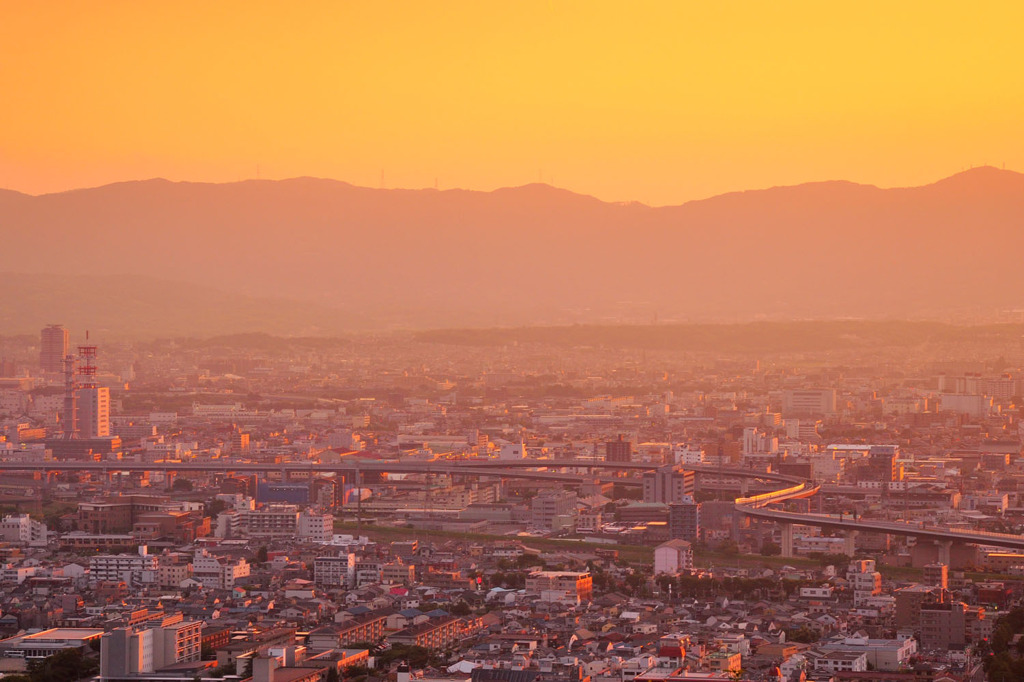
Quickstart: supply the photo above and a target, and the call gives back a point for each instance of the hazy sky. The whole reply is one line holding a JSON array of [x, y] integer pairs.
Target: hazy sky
[[657, 102]]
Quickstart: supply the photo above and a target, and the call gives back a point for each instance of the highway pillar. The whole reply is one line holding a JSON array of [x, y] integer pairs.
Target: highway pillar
[[787, 539], [944, 550], [850, 542], [359, 503]]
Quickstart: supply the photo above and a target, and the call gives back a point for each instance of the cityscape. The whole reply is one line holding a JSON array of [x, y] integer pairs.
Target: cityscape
[[533, 341], [292, 509]]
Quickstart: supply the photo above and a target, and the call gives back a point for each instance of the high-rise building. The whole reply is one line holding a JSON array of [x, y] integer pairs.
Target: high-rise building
[[943, 625], [668, 485], [553, 509], [93, 412], [937, 575], [684, 521], [618, 450], [908, 604], [127, 653], [52, 348], [882, 464], [239, 441]]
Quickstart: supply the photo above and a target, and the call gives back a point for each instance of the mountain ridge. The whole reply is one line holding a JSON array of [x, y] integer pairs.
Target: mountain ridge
[[538, 254], [975, 172]]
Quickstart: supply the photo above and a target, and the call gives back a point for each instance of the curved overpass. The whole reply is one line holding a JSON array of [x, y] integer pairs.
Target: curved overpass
[[922, 531], [755, 506]]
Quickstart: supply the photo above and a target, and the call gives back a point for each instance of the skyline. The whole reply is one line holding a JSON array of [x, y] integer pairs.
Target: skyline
[[489, 341], [661, 106], [298, 178]]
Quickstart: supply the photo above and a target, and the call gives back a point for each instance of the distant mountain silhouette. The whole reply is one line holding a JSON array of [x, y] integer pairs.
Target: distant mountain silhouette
[[533, 254]]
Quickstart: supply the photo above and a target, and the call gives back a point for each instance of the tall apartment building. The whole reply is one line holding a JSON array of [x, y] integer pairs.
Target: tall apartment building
[[93, 412], [315, 527], [22, 529], [239, 441], [53, 347], [937, 575], [129, 654], [668, 485], [864, 580], [882, 464], [758, 442], [272, 521], [618, 450], [229, 524], [908, 604], [684, 521], [943, 625], [334, 571], [554, 509]]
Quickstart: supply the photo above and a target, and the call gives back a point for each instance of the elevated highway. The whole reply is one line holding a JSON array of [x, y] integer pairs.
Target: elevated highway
[[756, 506], [502, 468], [940, 534]]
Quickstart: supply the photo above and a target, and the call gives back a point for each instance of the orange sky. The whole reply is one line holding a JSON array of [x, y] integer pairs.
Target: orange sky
[[657, 102]]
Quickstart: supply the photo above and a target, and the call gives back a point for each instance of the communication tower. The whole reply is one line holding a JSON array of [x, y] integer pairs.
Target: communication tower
[[79, 373], [87, 365]]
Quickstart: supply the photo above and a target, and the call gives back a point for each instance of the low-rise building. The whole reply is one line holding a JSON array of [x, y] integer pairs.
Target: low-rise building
[[569, 586], [435, 634], [218, 572], [23, 529]]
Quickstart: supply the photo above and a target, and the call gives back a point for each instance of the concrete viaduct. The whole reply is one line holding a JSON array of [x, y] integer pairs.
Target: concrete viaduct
[[756, 506]]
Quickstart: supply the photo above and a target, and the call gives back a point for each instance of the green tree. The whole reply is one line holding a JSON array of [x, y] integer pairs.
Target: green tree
[[415, 656], [181, 485], [527, 560], [68, 665], [769, 548]]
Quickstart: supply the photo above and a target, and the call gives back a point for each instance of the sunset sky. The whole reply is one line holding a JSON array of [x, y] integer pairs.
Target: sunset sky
[[655, 102]]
